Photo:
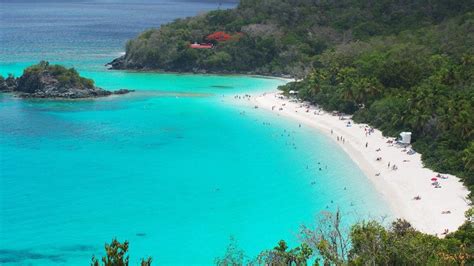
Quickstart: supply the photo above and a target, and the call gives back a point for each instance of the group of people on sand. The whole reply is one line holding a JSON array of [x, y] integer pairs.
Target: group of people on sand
[[368, 130], [339, 138], [394, 166], [245, 96], [446, 231], [435, 182], [280, 109]]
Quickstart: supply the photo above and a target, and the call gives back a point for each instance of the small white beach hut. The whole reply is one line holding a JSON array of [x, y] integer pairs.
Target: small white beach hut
[[405, 137], [293, 92]]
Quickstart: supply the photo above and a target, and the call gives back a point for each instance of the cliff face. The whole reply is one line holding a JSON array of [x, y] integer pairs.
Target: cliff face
[[46, 81]]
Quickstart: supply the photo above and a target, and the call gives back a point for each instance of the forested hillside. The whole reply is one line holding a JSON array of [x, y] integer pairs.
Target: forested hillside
[[277, 37], [420, 81]]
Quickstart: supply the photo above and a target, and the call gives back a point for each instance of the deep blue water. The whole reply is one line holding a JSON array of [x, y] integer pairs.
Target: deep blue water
[[83, 32], [173, 168]]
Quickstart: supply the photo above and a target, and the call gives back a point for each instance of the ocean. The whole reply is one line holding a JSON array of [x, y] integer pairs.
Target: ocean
[[172, 168]]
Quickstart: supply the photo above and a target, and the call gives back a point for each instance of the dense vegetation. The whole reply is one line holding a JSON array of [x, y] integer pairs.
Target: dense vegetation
[[370, 243], [278, 37], [65, 77], [7, 84], [53, 81], [116, 255], [365, 243], [420, 81], [330, 243], [36, 76]]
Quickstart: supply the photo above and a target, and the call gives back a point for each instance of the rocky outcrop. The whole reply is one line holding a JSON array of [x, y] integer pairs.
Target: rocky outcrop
[[122, 91], [8, 84], [44, 85], [125, 63], [45, 81], [117, 63]]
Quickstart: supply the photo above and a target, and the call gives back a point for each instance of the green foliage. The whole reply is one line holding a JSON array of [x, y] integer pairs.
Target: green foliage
[[330, 238], [7, 84], [218, 60], [370, 243], [414, 81], [281, 256], [66, 77], [369, 240], [464, 235], [116, 255], [234, 255], [283, 36], [10, 80], [366, 243]]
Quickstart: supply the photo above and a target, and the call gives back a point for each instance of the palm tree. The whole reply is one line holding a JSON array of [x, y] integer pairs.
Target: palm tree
[[468, 157]]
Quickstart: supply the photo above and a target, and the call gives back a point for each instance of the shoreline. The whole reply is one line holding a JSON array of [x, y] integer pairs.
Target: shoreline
[[285, 78], [438, 209]]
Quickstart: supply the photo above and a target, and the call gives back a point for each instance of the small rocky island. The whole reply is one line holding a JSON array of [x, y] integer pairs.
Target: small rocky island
[[53, 81]]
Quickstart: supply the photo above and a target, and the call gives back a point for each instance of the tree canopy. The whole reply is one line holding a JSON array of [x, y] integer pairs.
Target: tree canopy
[[67, 77], [420, 81], [279, 36]]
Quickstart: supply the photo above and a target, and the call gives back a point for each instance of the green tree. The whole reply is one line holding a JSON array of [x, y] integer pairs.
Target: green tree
[[116, 255], [329, 237], [281, 256], [369, 244], [234, 256]]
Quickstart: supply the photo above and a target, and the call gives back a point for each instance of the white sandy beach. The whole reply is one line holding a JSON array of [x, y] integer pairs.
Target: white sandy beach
[[398, 187]]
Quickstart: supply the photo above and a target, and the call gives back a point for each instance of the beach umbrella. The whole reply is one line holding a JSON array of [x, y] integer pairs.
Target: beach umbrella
[[434, 179]]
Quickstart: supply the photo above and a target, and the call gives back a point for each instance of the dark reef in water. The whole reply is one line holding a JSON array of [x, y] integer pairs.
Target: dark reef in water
[[21, 256], [53, 81], [29, 256]]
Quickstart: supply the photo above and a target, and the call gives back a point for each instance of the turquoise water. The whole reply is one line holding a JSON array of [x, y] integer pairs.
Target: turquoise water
[[173, 168]]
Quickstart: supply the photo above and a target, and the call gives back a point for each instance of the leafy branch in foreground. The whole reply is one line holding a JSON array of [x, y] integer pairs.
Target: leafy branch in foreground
[[116, 255], [329, 237], [366, 243], [233, 256], [331, 243], [280, 255], [370, 243]]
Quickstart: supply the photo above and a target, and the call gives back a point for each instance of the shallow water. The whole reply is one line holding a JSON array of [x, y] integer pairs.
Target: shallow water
[[172, 167]]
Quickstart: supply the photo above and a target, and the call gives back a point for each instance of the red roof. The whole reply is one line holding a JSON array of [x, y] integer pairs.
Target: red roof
[[219, 36], [201, 46]]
